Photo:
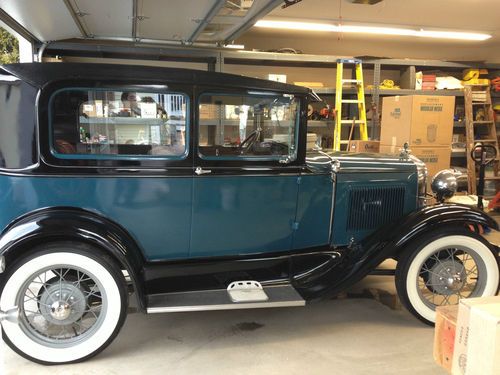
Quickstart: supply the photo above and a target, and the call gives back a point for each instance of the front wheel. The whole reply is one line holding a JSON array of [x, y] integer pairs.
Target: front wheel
[[71, 302], [443, 268]]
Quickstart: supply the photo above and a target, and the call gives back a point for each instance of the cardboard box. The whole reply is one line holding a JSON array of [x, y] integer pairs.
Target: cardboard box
[[208, 111], [277, 77], [88, 109], [477, 338], [444, 335], [312, 141], [435, 158], [364, 146], [420, 120]]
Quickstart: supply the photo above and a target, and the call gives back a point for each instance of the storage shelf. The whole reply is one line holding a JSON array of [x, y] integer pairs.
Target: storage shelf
[[231, 122], [390, 92], [122, 120], [305, 60], [319, 123], [326, 123], [457, 153]]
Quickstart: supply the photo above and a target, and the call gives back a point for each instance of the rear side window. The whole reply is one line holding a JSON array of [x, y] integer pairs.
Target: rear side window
[[17, 124], [96, 123]]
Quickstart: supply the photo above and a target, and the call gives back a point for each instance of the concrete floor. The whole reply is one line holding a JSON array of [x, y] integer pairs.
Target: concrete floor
[[350, 335], [366, 331]]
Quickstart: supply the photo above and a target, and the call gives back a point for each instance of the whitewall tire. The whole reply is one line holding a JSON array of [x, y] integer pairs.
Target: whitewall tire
[[71, 303], [443, 268]]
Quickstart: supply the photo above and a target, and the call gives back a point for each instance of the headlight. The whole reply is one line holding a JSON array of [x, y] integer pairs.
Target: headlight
[[444, 184], [422, 180]]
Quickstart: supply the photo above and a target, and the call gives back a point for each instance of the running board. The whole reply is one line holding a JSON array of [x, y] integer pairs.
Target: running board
[[220, 299]]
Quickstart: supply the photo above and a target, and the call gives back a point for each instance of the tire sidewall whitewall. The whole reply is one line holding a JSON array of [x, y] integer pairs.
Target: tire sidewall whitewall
[[473, 245], [81, 349]]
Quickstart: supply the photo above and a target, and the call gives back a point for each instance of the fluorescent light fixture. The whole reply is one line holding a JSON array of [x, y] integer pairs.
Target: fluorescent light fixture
[[292, 25], [376, 30], [235, 46]]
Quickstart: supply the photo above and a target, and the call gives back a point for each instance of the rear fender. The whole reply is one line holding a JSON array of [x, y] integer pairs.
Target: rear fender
[[73, 224]]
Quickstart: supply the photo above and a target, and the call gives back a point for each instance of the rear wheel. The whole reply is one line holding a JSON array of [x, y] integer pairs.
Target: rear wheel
[[443, 268], [71, 303]]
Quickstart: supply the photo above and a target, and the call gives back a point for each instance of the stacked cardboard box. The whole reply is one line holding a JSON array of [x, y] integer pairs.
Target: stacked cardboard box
[[424, 122], [467, 336], [364, 146], [477, 338], [444, 335], [429, 82], [312, 139], [208, 111]]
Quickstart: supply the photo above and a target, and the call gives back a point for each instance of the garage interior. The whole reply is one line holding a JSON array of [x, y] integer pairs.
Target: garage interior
[[446, 52]]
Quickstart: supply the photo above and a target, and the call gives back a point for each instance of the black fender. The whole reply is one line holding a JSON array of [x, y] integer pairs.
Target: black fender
[[75, 224], [358, 260], [434, 217]]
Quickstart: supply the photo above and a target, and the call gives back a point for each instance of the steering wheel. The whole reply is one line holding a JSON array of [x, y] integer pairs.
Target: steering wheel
[[490, 154], [250, 139]]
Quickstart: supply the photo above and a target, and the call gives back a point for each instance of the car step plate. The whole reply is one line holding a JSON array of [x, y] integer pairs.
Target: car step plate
[[221, 299], [246, 291]]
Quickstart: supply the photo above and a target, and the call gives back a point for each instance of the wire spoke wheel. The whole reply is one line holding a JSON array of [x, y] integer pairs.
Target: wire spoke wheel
[[61, 305], [442, 268], [451, 274], [71, 301]]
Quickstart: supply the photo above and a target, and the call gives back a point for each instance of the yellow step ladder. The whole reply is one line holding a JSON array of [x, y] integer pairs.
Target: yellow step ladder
[[339, 100]]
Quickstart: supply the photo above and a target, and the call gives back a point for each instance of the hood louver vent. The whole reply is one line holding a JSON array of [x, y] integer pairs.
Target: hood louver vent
[[371, 207]]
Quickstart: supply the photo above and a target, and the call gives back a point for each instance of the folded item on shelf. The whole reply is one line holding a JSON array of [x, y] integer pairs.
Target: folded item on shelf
[[449, 83], [387, 84], [473, 73]]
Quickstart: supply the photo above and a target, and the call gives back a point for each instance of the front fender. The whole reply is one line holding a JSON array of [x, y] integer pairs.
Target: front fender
[[432, 217], [74, 224], [389, 241]]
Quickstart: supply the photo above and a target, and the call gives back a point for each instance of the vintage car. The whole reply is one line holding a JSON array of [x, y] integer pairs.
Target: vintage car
[[189, 190]]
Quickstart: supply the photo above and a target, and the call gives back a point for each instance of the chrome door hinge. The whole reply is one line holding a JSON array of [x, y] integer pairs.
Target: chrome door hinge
[[299, 180], [295, 225]]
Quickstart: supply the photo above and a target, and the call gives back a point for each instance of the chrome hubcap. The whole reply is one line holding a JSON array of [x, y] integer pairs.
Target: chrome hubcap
[[455, 282], [60, 310], [62, 303], [447, 276]]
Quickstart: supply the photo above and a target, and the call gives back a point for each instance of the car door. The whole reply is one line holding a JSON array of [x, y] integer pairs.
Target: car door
[[132, 145], [246, 176]]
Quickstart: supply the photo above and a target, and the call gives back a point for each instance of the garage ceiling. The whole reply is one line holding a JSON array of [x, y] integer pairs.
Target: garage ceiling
[[185, 21], [208, 22], [466, 15], [479, 16]]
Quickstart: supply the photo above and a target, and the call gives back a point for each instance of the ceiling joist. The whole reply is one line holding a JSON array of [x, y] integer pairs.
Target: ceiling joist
[[17, 27], [206, 20], [250, 21], [77, 18], [135, 18]]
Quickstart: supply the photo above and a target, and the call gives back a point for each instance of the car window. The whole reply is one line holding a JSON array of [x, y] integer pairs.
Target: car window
[[109, 123], [256, 126]]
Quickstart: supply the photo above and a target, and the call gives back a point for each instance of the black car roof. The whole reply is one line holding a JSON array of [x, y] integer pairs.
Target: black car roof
[[40, 74]]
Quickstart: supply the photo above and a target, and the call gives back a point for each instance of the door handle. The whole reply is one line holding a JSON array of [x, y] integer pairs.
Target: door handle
[[200, 170]]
